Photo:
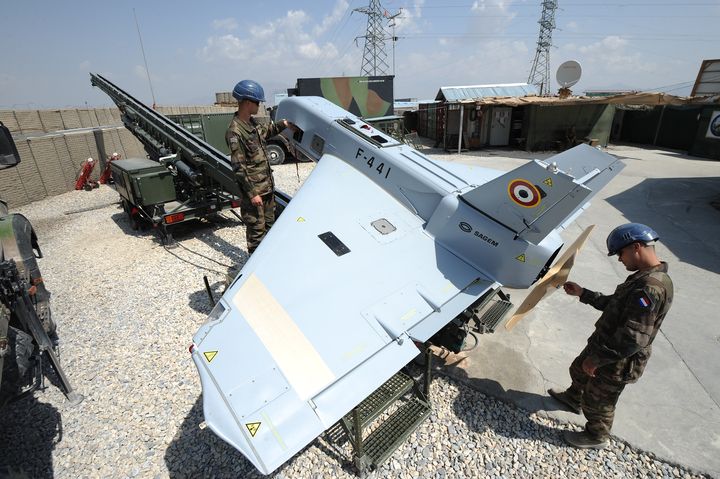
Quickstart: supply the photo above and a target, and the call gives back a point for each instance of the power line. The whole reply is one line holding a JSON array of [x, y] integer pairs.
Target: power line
[[142, 48], [338, 27], [639, 16], [676, 37], [582, 4], [346, 46], [682, 85]]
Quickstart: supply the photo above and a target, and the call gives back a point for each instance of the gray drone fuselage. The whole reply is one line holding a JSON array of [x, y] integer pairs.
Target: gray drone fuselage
[[381, 247]]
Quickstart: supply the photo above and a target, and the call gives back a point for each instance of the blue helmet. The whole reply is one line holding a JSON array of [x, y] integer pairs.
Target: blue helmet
[[627, 234], [248, 90]]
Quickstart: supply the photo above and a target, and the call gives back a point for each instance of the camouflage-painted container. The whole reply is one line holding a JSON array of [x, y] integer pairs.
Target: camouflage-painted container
[[366, 97]]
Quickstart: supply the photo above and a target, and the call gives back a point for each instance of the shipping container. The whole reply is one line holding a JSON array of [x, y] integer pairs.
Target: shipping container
[[366, 97], [210, 127]]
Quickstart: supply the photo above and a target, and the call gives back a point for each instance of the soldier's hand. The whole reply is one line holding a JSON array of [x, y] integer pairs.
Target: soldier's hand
[[573, 289], [290, 125], [256, 200]]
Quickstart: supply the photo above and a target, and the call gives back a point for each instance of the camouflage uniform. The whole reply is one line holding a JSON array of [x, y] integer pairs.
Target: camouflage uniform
[[621, 344], [252, 171]]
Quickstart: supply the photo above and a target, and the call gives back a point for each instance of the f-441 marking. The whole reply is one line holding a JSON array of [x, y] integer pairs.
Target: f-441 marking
[[371, 162]]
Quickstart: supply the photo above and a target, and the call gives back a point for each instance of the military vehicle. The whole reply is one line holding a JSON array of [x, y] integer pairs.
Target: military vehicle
[[28, 335], [211, 128], [183, 178]]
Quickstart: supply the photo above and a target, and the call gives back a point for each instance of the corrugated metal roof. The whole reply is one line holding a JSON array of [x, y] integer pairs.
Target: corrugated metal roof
[[383, 118], [651, 99], [405, 105], [473, 92], [414, 105]]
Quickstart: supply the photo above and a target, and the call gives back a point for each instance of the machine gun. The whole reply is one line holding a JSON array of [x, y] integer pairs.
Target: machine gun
[[31, 341], [26, 324], [184, 178]]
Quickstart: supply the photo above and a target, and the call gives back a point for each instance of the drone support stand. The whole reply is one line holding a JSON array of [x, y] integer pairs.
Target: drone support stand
[[411, 407]]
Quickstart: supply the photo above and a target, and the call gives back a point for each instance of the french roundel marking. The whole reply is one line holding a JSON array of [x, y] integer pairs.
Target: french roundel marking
[[524, 193]]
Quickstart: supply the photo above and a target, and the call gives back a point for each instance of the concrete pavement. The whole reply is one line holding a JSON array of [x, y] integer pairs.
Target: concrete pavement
[[673, 411]]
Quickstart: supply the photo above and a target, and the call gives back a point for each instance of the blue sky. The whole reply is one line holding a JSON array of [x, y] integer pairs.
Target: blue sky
[[195, 49]]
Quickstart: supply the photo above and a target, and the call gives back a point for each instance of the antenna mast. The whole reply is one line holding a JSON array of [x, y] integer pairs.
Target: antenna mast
[[142, 48], [540, 71], [374, 60], [391, 23]]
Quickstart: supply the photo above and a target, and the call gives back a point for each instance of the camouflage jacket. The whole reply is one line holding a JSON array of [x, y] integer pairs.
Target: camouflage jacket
[[622, 342], [248, 156]]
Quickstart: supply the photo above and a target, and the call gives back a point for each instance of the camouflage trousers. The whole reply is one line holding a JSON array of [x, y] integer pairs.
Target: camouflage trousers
[[258, 219], [597, 395]]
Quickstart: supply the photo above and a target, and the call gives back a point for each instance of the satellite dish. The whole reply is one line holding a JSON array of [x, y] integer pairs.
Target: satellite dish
[[568, 73]]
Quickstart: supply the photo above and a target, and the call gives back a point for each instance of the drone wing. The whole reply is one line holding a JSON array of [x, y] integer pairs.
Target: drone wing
[[323, 313]]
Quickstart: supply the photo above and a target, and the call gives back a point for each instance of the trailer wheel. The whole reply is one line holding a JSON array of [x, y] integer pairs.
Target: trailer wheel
[[276, 155]]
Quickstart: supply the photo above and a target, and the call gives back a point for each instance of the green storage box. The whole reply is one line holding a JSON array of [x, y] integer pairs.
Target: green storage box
[[143, 182]]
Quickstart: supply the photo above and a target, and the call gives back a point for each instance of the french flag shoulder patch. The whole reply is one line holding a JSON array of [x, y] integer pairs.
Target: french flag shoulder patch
[[644, 301]]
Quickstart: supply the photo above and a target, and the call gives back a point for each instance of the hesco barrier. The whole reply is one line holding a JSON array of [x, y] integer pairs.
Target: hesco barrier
[[53, 144]]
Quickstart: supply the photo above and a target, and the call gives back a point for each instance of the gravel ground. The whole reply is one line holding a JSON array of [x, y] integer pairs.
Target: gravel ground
[[127, 308]]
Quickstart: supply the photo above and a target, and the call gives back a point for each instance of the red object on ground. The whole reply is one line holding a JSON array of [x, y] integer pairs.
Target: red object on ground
[[84, 181], [106, 175]]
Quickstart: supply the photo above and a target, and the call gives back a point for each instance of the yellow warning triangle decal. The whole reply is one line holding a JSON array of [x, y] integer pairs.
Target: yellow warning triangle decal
[[253, 427], [521, 258], [301, 219], [548, 181], [210, 355]]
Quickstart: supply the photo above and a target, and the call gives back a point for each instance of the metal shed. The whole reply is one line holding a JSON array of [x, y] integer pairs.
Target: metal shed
[[550, 123], [462, 124]]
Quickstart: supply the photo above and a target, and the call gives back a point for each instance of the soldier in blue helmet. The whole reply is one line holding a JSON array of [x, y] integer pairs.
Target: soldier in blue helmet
[[620, 346], [246, 138]]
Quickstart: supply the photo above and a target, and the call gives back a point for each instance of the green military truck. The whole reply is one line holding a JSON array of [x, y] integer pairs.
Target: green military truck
[[211, 127]]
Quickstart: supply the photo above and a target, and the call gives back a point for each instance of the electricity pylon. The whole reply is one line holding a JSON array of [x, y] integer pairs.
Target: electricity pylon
[[374, 62], [540, 71]]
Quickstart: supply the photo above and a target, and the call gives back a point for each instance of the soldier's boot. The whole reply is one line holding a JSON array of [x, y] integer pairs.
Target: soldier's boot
[[585, 440], [568, 401]]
